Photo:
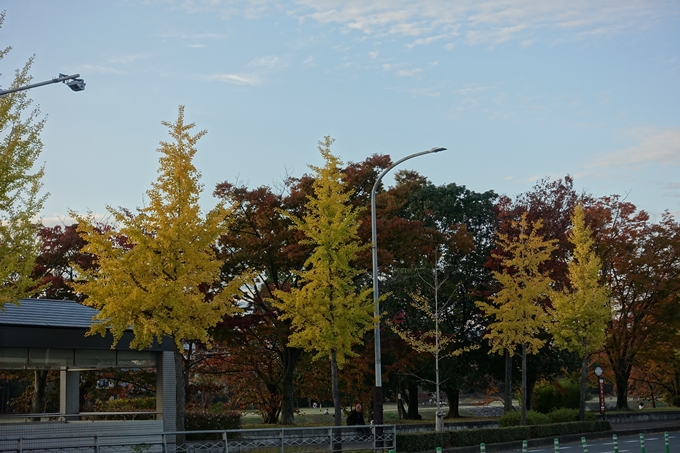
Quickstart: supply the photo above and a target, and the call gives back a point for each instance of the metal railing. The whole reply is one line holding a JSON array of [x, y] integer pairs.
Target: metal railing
[[59, 417], [283, 440]]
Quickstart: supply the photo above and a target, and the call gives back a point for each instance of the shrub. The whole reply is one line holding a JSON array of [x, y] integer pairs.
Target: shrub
[[563, 429], [514, 418], [411, 442], [147, 403], [565, 415], [428, 441], [673, 400], [203, 420], [557, 395]]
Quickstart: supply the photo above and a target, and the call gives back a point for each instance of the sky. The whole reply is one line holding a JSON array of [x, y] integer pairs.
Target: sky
[[516, 91]]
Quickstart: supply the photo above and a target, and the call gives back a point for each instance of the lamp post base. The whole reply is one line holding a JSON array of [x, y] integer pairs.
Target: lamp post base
[[378, 405]]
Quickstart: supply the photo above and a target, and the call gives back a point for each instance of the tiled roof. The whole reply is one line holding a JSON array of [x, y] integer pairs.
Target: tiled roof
[[47, 313]]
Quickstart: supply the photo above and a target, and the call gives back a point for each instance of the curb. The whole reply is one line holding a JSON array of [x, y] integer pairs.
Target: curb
[[548, 441]]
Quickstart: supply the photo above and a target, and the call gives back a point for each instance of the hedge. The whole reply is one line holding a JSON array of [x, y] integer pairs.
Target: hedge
[[205, 420], [427, 441]]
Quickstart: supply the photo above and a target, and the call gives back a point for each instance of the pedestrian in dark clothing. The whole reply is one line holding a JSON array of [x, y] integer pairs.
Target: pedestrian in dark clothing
[[355, 417]]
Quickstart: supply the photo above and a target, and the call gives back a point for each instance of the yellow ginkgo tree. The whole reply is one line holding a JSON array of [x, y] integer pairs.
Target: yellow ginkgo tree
[[518, 317], [20, 184], [581, 313], [156, 271], [327, 311]]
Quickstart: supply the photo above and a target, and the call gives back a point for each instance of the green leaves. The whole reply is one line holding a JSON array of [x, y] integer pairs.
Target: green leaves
[[328, 313], [581, 314]]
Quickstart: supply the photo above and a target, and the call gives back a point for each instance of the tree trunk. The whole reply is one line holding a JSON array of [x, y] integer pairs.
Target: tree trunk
[[523, 419], [39, 391], [621, 375], [336, 390], [453, 397], [507, 391], [271, 416], [413, 402], [38, 400], [582, 399], [180, 396], [291, 357]]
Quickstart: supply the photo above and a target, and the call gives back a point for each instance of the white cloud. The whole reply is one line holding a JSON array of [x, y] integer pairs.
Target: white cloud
[[268, 61], [373, 55], [193, 36], [235, 79], [309, 61], [487, 21], [660, 146], [409, 72]]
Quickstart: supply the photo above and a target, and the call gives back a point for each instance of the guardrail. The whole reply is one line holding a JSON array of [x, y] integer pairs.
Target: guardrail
[[291, 440], [59, 417]]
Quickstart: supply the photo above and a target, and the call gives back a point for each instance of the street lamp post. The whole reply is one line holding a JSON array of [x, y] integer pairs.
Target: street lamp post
[[72, 81], [378, 391]]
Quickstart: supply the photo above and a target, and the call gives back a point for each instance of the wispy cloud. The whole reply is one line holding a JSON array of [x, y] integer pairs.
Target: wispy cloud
[[193, 36], [93, 68], [268, 61], [127, 59], [660, 146], [409, 72], [255, 74], [235, 79], [486, 21]]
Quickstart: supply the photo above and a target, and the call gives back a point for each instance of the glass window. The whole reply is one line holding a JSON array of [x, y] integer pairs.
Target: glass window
[[50, 357], [136, 359], [95, 358], [13, 357]]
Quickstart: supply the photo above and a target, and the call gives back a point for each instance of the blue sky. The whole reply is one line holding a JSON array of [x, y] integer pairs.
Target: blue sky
[[516, 90]]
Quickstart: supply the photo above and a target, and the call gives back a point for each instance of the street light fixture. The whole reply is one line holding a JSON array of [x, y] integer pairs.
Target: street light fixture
[[72, 81], [378, 391]]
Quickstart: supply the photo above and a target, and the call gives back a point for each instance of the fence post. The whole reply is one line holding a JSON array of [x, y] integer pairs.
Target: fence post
[[482, 448], [439, 449], [585, 445], [330, 437], [557, 445], [668, 445], [96, 444], [282, 442], [226, 445], [616, 443], [642, 443], [165, 443], [20, 446], [524, 446]]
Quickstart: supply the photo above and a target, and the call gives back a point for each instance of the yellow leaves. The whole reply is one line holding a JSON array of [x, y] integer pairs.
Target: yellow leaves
[[518, 316], [157, 271], [581, 314], [327, 312]]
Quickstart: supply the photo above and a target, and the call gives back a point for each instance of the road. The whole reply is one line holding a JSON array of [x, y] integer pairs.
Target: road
[[654, 443]]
